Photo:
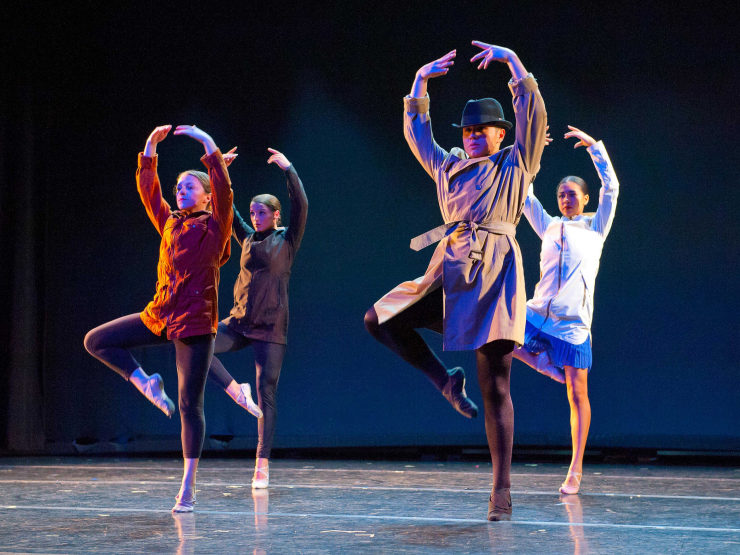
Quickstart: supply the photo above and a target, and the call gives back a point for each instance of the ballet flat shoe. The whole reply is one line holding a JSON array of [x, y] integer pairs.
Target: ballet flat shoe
[[499, 505], [184, 505], [245, 401], [454, 392], [547, 368], [261, 478], [571, 490], [154, 391]]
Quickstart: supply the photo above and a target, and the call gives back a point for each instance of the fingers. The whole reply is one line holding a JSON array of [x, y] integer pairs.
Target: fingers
[[448, 57], [232, 151], [480, 44], [185, 129], [479, 55], [273, 150]]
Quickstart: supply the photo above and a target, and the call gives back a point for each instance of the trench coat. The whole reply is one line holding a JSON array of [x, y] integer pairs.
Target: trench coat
[[193, 248], [478, 262], [261, 290]]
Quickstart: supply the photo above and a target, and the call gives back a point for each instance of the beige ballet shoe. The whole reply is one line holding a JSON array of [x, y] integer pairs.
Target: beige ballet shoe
[[244, 400], [569, 489], [261, 478]]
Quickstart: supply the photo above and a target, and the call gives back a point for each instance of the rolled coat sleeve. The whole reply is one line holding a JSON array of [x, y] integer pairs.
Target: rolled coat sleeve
[[609, 191], [222, 199], [417, 129], [150, 191], [531, 123]]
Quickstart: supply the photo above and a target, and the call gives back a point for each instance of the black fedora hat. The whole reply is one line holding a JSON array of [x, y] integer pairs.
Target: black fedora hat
[[484, 111]]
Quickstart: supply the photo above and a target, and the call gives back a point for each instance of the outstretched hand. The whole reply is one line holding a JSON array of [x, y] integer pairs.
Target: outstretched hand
[[548, 138], [230, 156], [156, 136], [279, 159], [583, 138], [438, 67], [491, 53], [193, 132], [159, 134], [199, 135]]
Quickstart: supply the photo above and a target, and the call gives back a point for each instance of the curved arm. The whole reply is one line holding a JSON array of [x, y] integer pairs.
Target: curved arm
[[156, 136], [490, 53], [604, 217], [199, 135], [535, 213], [428, 71], [240, 228], [583, 138], [278, 158], [298, 208]]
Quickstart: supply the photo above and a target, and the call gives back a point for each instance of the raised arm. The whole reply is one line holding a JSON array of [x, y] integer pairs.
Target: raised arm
[[609, 191], [223, 196], [298, 199], [147, 180], [417, 126], [535, 213], [529, 108]]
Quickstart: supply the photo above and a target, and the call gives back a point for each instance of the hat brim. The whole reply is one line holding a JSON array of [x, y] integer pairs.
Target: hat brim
[[496, 123]]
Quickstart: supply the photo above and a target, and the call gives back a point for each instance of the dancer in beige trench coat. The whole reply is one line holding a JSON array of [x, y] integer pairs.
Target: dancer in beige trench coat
[[473, 290]]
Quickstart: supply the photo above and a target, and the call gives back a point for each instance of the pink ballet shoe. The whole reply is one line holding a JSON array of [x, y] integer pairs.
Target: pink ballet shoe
[[569, 489], [261, 478], [244, 400], [184, 503], [154, 391], [547, 368]]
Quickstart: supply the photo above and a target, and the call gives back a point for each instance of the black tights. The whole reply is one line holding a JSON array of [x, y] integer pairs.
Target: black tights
[[400, 336], [110, 344], [494, 368], [268, 360]]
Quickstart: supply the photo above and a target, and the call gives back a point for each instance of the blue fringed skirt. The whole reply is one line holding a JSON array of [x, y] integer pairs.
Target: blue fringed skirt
[[561, 352]]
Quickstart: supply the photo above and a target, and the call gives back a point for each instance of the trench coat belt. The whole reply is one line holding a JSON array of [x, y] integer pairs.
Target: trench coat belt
[[436, 234]]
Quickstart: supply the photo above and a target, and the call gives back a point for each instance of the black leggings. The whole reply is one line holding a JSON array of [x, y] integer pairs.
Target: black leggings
[[110, 344], [493, 361], [268, 360]]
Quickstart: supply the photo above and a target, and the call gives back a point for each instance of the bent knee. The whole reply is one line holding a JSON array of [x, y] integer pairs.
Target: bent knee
[[91, 342], [371, 321]]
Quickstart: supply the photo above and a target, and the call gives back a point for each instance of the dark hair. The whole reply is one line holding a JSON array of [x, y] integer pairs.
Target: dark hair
[[577, 180], [202, 177], [270, 201]]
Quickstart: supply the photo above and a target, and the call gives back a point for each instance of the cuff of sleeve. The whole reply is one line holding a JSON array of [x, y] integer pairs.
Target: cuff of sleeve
[[291, 170], [147, 162], [213, 159], [597, 147], [416, 105], [526, 84]]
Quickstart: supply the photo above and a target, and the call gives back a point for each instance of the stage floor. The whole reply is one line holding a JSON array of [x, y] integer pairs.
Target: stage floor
[[80, 505]]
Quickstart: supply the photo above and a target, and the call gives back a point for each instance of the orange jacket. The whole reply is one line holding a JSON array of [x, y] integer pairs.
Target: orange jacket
[[194, 246]]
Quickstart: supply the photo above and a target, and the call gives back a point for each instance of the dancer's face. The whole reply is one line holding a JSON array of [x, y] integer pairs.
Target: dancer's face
[[571, 199], [191, 197], [482, 140], [263, 217]]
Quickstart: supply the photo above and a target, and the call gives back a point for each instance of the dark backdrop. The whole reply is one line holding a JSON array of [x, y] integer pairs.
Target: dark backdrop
[[83, 85]]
